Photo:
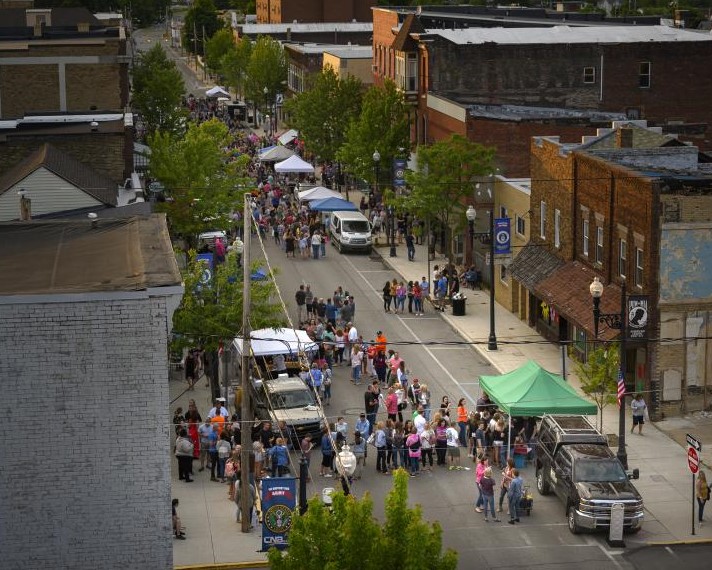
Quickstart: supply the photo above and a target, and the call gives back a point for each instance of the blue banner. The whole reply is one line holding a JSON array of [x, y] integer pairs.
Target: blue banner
[[399, 166], [279, 501], [207, 273], [502, 236]]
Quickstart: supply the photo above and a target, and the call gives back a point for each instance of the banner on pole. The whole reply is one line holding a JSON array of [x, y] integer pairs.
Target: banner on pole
[[502, 236], [399, 166], [279, 500]]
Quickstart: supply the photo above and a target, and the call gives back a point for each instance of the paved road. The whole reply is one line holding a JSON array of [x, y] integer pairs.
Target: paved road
[[662, 557]]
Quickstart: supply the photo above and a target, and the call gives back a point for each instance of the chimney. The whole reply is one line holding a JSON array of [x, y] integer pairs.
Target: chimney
[[624, 137]]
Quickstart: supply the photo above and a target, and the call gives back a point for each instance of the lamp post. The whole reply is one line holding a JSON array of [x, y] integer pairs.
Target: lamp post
[[376, 167], [392, 228], [614, 321], [267, 106], [484, 237]]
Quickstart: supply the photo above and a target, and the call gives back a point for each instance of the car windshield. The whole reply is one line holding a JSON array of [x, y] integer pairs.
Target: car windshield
[[359, 226], [599, 471], [296, 399]]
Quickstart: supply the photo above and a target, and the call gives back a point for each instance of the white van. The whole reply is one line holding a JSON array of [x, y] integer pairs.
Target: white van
[[350, 231]]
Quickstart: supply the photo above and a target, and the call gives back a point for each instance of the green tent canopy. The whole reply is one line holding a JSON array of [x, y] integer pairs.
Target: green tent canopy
[[532, 391]]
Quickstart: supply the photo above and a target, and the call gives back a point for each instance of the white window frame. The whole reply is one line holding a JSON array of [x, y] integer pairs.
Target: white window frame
[[589, 74], [645, 74], [585, 231], [542, 220], [557, 228], [599, 244], [639, 262], [622, 257]]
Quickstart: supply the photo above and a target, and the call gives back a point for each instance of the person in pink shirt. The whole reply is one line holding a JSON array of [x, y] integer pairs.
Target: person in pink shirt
[[479, 474], [412, 442], [393, 364], [392, 404]]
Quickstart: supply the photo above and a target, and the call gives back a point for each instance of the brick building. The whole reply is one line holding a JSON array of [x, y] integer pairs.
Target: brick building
[[627, 207], [64, 80], [85, 313], [289, 11]]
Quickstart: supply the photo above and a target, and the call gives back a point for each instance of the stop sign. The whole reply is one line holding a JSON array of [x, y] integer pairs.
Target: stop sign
[[693, 460]]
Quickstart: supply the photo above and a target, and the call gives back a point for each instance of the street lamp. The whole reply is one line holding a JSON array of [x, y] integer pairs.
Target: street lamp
[[392, 228], [376, 167], [614, 321], [267, 106], [485, 237]]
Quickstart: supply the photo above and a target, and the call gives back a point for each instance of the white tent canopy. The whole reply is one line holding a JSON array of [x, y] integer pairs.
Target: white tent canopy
[[217, 91], [288, 137], [317, 193], [269, 342], [294, 164], [275, 154]]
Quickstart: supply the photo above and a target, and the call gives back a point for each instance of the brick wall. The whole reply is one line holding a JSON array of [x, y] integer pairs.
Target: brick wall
[[94, 86], [85, 481]]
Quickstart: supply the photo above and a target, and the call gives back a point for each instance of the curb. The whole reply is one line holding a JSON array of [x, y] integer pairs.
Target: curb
[[225, 566], [681, 542]]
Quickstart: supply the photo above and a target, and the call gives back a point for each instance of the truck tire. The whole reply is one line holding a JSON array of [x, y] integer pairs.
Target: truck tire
[[541, 483], [571, 520]]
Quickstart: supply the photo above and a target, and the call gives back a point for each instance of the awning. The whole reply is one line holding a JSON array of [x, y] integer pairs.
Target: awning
[[567, 290], [332, 205], [533, 264], [269, 342], [275, 154], [532, 391], [288, 137], [217, 91], [294, 164], [317, 193]]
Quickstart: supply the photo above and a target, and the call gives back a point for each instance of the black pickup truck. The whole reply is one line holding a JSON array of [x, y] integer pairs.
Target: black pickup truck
[[575, 462]]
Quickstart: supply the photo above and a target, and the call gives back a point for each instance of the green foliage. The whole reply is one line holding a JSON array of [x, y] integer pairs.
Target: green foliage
[[445, 179], [157, 91], [201, 21], [382, 125], [217, 47], [349, 538], [599, 376], [233, 65], [211, 312], [267, 68], [203, 184], [323, 113]]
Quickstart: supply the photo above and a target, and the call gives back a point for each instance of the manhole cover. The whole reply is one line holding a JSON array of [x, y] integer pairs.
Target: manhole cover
[[351, 411]]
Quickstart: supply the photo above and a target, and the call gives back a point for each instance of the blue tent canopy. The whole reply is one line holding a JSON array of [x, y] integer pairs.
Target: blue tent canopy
[[332, 205]]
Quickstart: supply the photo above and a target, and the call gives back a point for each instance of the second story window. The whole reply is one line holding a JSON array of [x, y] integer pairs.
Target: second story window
[[589, 74], [639, 267], [557, 228], [521, 226], [406, 71], [644, 74], [542, 220], [622, 256], [585, 238], [599, 245]]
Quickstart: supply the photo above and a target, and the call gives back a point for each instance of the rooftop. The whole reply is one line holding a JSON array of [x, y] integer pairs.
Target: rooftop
[[521, 112], [569, 35], [351, 52], [51, 257], [301, 28]]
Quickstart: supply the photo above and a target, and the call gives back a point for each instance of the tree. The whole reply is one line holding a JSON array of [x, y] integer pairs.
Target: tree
[[599, 376], [349, 538], [200, 23], [382, 125], [203, 184], [266, 71], [322, 114], [158, 90], [217, 47], [212, 312], [233, 65], [444, 181]]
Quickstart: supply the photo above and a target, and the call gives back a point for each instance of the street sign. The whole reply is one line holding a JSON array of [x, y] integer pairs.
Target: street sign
[[692, 441], [693, 460]]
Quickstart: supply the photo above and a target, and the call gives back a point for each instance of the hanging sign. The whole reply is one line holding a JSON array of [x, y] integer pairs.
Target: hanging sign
[[502, 236], [399, 166], [637, 327], [279, 500]]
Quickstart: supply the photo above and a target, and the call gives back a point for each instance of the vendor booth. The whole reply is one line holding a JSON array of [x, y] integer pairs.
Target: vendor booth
[[270, 342], [294, 164], [332, 205], [317, 193]]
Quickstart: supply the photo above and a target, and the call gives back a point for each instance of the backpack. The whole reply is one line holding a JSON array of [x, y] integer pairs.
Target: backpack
[[415, 446]]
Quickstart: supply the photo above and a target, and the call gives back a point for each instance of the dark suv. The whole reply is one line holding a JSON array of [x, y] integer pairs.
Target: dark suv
[[574, 461]]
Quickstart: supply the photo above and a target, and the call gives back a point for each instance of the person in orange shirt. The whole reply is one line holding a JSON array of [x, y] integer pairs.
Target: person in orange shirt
[[219, 423], [381, 342], [462, 421]]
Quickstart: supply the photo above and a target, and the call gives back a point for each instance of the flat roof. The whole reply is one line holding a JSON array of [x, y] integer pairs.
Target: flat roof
[[252, 29], [522, 112], [569, 35], [351, 52]]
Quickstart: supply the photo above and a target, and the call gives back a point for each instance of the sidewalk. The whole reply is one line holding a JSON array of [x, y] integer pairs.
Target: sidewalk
[[665, 481]]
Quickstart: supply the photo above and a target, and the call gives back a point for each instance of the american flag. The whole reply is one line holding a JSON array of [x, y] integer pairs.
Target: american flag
[[621, 387]]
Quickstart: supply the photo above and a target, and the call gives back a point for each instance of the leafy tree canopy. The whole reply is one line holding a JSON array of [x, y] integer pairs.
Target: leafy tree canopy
[[599, 376], [382, 125], [349, 538], [210, 312], [267, 69], [233, 65], [203, 184], [445, 178], [217, 47], [322, 114], [157, 91], [201, 22]]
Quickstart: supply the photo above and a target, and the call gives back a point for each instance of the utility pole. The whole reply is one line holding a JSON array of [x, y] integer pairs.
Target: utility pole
[[245, 426]]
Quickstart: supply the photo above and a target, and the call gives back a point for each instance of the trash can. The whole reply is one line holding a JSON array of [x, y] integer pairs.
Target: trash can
[[458, 307]]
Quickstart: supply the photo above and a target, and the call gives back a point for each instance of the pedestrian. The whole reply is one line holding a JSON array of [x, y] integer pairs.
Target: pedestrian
[[401, 292], [279, 456], [204, 432], [301, 299], [441, 440], [380, 366], [326, 377], [639, 410], [189, 366], [427, 441], [370, 399], [479, 473], [356, 361], [399, 435], [418, 299], [316, 244], [453, 447], [184, 454], [224, 449], [487, 484], [327, 453], [425, 400], [381, 446], [413, 444], [250, 502], [462, 417], [514, 495], [702, 492], [410, 245], [177, 526], [392, 404], [306, 447], [358, 448], [363, 426], [213, 438], [309, 301], [258, 452], [506, 480], [387, 297]]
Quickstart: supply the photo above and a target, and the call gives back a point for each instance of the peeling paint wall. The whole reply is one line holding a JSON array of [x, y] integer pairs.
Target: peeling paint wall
[[686, 262]]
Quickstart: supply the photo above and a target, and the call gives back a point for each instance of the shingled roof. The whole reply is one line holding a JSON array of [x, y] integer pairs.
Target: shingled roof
[[403, 41], [67, 167], [534, 264]]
